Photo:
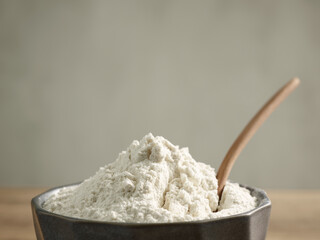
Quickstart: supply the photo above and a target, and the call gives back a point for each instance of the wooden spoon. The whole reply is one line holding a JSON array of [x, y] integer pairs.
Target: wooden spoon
[[249, 131]]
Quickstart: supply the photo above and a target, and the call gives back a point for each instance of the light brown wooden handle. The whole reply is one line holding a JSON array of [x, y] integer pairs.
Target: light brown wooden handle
[[249, 131]]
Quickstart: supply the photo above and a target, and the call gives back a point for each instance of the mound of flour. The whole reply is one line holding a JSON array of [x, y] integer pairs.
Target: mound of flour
[[152, 181]]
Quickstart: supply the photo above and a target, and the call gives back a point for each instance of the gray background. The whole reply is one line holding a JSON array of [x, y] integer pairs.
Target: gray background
[[80, 80]]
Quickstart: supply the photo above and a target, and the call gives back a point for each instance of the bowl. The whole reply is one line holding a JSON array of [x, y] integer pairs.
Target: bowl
[[250, 225]]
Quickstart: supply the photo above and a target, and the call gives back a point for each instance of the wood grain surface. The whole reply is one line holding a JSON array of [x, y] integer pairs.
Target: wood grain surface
[[295, 214]]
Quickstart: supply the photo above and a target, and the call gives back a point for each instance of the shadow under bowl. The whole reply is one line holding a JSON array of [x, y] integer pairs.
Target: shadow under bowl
[[250, 225]]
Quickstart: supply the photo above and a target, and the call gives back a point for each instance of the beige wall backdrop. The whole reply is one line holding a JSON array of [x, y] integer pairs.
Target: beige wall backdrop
[[79, 80]]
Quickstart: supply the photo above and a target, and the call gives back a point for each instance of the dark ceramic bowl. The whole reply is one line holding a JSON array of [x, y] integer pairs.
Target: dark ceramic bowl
[[251, 225]]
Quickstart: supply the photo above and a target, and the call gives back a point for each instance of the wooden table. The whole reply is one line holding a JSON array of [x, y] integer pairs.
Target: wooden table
[[295, 214]]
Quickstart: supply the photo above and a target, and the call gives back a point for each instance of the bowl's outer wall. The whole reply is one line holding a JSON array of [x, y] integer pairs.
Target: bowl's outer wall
[[243, 227]]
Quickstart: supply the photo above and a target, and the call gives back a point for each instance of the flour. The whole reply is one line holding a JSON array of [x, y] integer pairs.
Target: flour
[[152, 181]]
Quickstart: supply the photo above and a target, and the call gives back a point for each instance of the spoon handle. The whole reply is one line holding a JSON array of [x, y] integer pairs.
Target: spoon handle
[[249, 131]]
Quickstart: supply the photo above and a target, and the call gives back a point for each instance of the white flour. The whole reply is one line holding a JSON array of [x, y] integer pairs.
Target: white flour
[[153, 181]]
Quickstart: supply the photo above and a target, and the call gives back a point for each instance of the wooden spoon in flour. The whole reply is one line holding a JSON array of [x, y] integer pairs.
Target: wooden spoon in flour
[[249, 131]]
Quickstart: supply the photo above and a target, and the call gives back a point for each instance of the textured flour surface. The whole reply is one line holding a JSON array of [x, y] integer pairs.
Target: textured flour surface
[[152, 181]]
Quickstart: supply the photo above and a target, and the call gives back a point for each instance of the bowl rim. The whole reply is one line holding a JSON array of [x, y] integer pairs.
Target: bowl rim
[[38, 201]]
